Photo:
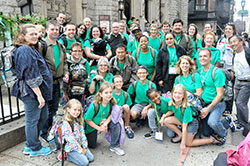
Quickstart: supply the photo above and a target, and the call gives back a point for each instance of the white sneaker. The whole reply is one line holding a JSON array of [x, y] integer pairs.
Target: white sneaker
[[118, 151]]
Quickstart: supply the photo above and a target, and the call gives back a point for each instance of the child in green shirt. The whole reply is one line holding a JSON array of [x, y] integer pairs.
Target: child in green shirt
[[123, 99], [183, 116]]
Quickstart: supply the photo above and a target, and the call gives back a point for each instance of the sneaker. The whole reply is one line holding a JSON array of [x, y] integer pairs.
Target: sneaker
[[27, 150], [231, 122], [222, 140], [42, 152], [138, 122], [149, 135], [59, 157], [118, 151], [129, 132], [239, 127]]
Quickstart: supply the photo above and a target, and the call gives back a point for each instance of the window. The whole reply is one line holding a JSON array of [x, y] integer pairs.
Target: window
[[201, 5]]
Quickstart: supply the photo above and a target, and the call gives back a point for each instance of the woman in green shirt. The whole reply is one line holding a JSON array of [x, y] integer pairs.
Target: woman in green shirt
[[102, 74], [147, 56], [193, 32], [187, 76], [180, 113], [95, 48], [209, 38]]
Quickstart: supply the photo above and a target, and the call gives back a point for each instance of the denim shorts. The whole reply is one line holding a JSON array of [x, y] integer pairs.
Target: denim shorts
[[193, 127], [138, 108]]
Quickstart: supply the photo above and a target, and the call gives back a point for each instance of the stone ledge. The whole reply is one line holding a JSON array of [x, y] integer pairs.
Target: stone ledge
[[12, 134]]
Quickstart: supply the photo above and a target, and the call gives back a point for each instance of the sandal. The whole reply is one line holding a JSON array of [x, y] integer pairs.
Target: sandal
[[176, 139]]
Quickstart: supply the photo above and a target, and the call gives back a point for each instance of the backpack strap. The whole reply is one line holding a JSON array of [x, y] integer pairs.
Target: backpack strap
[[193, 79], [153, 53], [65, 42], [77, 39], [134, 86], [44, 47], [179, 78], [137, 53], [150, 84], [96, 108], [125, 96], [213, 73]]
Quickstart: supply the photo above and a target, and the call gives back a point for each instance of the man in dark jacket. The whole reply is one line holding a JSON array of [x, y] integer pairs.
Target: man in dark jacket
[[115, 38]]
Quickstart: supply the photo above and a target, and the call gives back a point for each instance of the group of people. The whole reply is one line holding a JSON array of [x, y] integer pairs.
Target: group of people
[[104, 77]]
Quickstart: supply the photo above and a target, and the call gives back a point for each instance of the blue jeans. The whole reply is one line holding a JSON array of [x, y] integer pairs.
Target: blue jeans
[[53, 107], [212, 122], [152, 122], [115, 134], [35, 120], [80, 159]]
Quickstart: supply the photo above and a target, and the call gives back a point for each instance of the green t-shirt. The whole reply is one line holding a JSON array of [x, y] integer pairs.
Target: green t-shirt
[[147, 60], [162, 36], [188, 82], [215, 57], [155, 43], [133, 45], [56, 51], [196, 47], [87, 44], [141, 90], [120, 99], [187, 117], [164, 104], [69, 42], [178, 39], [103, 113], [209, 85], [125, 35], [108, 77], [88, 34], [120, 65], [172, 56]]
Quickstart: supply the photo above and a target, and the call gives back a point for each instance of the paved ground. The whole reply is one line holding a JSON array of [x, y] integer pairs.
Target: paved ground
[[139, 151]]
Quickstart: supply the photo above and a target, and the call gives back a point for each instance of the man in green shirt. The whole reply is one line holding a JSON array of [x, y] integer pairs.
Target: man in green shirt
[[56, 59], [213, 96]]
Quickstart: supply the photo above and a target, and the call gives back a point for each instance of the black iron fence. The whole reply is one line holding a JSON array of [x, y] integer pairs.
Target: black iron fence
[[9, 112], [10, 107]]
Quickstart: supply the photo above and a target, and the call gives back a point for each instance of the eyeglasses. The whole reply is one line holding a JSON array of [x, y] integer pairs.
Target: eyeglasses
[[169, 38], [118, 81], [82, 28], [76, 50]]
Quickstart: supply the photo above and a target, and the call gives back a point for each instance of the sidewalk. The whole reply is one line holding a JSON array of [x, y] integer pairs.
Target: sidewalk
[[139, 151]]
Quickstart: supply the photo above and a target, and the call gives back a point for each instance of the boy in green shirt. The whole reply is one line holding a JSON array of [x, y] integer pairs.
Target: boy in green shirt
[[138, 90], [123, 99]]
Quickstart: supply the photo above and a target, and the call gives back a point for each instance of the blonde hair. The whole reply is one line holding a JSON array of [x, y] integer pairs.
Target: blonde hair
[[70, 118], [209, 33], [184, 100], [190, 61], [153, 26], [105, 85]]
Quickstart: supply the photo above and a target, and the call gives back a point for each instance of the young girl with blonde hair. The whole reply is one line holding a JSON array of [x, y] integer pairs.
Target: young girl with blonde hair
[[181, 114], [73, 133], [104, 116]]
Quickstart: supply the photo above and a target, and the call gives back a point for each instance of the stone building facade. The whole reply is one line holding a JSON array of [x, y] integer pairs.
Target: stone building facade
[[76, 10]]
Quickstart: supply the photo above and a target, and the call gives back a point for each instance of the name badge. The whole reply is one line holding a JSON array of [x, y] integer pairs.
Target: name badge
[[172, 70], [159, 136]]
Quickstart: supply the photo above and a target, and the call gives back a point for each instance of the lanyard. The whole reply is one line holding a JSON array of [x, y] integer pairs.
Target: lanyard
[[204, 78], [157, 115], [136, 45], [172, 57]]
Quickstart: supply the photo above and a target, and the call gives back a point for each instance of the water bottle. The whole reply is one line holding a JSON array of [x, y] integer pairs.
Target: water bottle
[[52, 143]]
